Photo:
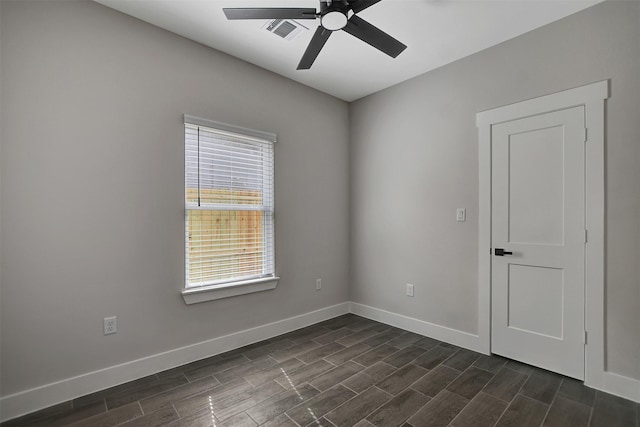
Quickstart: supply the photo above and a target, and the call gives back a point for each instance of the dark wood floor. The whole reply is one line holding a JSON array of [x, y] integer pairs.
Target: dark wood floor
[[347, 371]]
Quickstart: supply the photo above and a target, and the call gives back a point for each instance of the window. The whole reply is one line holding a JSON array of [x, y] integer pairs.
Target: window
[[229, 233]]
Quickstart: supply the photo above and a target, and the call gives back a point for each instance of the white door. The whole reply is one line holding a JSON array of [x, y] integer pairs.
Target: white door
[[537, 218]]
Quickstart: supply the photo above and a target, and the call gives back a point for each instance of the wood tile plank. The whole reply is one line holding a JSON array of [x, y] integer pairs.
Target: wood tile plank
[[217, 366], [381, 338], [358, 408], [235, 404], [320, 352], [404, 356], [322, 422], [352, 339], [304, 374], [320, 405], [200, 419], [274, 372], [305, 334], [449, 346], [567, 413], [520, 367], [398, 409], [336, 375], [483, 411], [167, 398], [577, 391], [111, 418], [332, 336], [363, 323], [365, 379], [401, 379], [122, 398], [280, 421], [492, 363], [202, 402], [523, 412], [58, 415], [348, 353], [434, 357], [293, 351], [470, 382], [240, 420], [379, 370], [339, 322], [375, 355], [381, 327], [435, 380], [238, 351], [439, 411], [268, 348], [462, 359], [427, 343], [505, 384], [157, 418], [405, 340], [280, 403], [139, 383], [613, 411], [542, 385], [244, 369]]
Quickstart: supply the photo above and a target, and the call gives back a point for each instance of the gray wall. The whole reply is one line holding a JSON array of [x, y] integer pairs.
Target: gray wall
[[92, 186], [92, 189], [414, 159]]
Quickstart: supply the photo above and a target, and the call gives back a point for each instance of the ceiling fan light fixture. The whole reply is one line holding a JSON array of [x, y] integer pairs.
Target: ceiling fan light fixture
[[334, 20]]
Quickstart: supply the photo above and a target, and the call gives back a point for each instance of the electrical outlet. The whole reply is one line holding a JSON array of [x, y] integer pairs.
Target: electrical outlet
[[318, 284], [110, 325], [409, 289]]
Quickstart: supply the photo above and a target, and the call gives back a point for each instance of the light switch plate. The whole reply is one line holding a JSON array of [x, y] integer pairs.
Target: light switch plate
[[461, 214]]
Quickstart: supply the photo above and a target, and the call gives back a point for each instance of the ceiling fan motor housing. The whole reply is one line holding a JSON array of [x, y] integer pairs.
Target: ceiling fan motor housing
[[334, 15]]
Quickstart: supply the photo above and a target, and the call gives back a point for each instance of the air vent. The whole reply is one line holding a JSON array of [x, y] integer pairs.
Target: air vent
[[288, 29]]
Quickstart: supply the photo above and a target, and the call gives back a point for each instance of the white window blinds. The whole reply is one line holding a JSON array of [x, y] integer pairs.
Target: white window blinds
[[228, 203]]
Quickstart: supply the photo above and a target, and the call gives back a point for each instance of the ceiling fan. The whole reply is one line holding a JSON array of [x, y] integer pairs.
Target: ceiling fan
[[334, 15]]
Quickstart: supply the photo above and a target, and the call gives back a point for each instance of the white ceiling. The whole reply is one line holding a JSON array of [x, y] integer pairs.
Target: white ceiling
[[436, 32]]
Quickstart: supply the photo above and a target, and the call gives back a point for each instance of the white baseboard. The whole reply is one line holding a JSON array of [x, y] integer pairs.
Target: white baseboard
[[628, 388], [438, 332], [619, 385], [27, 401], [622, 386]]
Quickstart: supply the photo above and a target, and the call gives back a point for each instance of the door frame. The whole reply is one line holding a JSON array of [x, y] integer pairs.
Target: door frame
[[592, 97]]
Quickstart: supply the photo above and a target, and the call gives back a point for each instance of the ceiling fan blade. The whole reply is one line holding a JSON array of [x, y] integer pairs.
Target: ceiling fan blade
[[269, 13], [360, 5], [377, 38], [315, 46]]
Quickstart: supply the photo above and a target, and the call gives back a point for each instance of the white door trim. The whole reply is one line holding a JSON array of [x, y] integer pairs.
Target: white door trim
[[592, 97]]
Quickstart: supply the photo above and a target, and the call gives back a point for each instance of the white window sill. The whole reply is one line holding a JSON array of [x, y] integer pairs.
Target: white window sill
[[214, 292]]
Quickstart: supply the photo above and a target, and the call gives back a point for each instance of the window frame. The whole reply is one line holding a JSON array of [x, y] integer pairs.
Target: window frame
[[214, 291]]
